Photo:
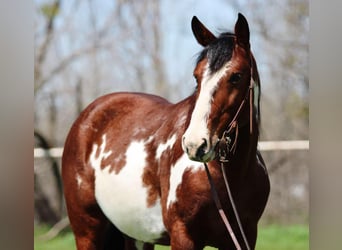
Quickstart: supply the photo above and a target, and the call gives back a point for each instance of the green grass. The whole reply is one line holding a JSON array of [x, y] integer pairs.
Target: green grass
[[295, 237], [64, 241], [275, 237]]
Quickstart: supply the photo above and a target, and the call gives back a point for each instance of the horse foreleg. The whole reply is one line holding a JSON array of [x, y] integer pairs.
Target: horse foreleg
[[180, 238], [91, 235], [92, 230], [96, 232]]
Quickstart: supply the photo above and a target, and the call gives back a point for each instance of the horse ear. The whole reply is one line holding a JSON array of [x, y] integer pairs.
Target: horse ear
[[242, 31], [201, 33]]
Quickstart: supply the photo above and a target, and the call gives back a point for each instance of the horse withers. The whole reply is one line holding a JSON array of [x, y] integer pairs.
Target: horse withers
[[133, 163]]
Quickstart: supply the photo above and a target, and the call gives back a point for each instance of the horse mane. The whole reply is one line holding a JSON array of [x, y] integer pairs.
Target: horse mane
[[257, 88]]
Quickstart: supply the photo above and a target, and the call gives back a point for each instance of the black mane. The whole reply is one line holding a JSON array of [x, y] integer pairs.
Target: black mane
[[218, 52]]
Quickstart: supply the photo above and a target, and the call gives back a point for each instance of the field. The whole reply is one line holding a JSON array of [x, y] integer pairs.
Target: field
[[295, 237]]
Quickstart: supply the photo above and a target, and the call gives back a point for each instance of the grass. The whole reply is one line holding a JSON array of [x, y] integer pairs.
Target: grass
[[294, 237], [64, 241]]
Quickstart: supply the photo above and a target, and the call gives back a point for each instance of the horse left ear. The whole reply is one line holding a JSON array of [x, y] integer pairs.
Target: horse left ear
[[242, 32], [201, 33]]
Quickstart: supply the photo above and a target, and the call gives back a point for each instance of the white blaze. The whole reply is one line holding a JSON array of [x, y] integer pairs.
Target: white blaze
[[198, 129]]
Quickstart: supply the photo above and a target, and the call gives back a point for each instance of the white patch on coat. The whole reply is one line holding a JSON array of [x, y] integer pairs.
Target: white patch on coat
[[198, 129], [96, 161], [79, 180], [180, 122], [123, 196], [177, 170], [164, 146]]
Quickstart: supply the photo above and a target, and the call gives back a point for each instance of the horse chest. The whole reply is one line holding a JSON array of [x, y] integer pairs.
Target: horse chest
[[123, 196]]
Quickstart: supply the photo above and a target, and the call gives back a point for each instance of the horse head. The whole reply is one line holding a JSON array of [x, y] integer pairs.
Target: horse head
[[224, 75]]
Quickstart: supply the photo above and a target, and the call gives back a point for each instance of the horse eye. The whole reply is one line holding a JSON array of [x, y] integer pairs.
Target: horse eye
[[235, 78]]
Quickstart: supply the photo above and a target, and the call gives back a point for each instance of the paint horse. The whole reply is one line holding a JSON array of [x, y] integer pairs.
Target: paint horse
[[133, 163]]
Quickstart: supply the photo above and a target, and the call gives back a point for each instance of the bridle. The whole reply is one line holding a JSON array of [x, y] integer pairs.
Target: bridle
[[225, 151], [224, 142]]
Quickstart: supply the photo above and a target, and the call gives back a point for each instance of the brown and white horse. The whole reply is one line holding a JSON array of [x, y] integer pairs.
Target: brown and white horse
[[133, 163]]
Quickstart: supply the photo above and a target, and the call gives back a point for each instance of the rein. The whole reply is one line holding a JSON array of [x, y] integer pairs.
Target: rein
[[225, 153]]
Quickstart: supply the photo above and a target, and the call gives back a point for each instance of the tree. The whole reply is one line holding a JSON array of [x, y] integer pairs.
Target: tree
[[77, 57]]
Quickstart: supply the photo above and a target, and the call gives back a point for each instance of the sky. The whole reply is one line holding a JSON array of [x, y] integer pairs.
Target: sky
[[180, 45]]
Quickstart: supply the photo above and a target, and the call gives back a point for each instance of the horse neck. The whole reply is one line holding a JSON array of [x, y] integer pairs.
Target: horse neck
[[176, 119]]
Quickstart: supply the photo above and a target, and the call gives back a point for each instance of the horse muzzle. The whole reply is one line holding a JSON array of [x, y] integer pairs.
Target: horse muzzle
[[201, 150]]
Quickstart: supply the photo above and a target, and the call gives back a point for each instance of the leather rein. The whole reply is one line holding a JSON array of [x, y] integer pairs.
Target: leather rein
[[225, 152]]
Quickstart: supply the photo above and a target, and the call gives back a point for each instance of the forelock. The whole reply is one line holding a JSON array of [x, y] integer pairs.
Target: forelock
[[219, 52]]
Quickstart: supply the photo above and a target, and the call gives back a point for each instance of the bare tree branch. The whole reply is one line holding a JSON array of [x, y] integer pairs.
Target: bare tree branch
[[42, 51], [55, 230], [65, 62]]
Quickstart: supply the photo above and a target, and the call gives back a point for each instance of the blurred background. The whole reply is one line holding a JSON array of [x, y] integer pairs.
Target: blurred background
[[84, 49]]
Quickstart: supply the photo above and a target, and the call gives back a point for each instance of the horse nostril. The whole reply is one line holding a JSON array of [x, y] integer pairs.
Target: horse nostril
[[204, 142], [201, 151]]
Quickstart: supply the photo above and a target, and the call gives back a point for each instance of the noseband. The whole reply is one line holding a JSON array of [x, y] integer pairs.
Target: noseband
[[225, 151]]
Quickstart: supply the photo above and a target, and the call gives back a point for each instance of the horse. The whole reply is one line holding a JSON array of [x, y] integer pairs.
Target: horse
[[133, 166]]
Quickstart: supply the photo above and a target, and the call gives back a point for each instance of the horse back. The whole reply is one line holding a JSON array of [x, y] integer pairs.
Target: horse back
[[119, 115]]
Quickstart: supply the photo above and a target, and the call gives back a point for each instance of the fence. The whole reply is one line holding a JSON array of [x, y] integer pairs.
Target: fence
[[286, 161], [263, 146]]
